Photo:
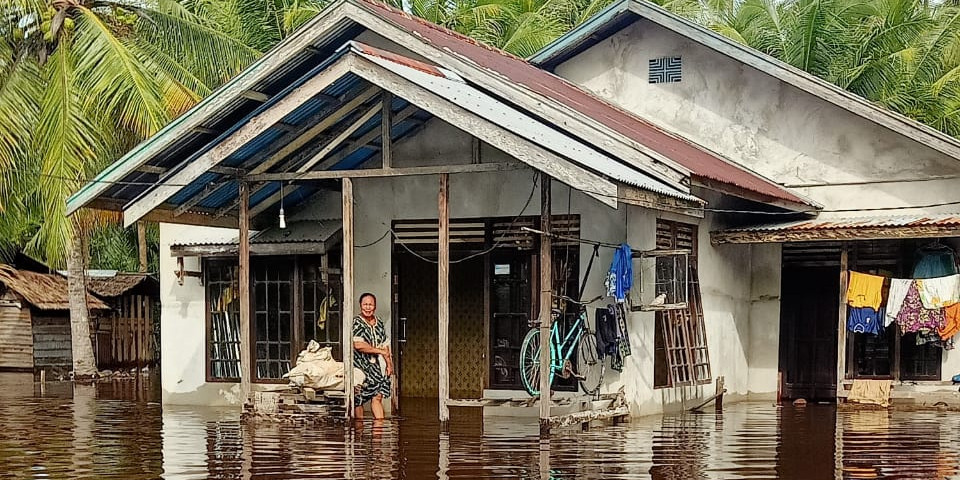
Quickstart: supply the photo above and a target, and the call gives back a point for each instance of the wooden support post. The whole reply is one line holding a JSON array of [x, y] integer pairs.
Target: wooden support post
[[346, 328], [246, 348], [842, 320], [142, 245], [443, 297], [386, 124], [546, 300]]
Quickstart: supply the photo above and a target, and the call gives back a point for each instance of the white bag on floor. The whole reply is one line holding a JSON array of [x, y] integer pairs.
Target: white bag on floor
[[315, 368]]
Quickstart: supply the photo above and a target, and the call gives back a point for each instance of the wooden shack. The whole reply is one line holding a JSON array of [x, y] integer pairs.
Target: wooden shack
[[35, 320], [126, 335]]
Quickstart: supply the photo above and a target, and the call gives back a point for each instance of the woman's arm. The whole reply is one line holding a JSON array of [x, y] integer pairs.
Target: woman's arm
[[365, 347]]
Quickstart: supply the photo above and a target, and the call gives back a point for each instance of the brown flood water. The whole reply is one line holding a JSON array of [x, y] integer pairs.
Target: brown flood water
[[118, 431]]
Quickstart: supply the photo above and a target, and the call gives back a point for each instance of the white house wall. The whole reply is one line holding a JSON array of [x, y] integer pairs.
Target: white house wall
[[183, 324], [773, 128]]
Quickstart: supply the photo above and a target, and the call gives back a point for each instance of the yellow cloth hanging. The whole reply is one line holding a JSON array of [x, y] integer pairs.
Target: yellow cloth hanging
[[865, 290]]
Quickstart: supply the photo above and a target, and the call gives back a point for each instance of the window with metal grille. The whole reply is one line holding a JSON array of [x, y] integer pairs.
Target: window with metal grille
[[223, 320], [272, 316], [681, 356]]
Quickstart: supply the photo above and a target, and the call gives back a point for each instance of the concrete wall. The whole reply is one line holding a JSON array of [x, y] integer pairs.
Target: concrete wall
[[183, 323], [741, 314], [771, 127]]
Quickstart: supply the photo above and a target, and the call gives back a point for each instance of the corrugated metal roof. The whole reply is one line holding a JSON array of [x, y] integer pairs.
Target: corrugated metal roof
[[945, 220], [297, 231], [693, 157]]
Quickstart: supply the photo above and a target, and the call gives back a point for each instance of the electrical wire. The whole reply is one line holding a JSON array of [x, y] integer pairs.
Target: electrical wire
[[496, 245]]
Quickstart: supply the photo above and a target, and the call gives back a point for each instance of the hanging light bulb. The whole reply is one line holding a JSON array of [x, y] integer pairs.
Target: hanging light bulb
[[283, 221]]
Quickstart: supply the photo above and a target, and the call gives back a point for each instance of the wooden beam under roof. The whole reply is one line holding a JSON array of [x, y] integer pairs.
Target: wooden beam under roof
[[285, 145], [337, 141], [364, 141], [385, 172], [250, 130], [255, 96]]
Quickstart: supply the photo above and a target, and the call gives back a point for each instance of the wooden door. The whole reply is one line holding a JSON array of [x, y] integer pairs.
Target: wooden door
[[808, 332]]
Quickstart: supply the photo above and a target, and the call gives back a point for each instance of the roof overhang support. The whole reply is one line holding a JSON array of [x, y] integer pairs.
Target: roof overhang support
[[286, 145], [809, 235], [642, 198], [362, 142], [341, 137], [167, 214], [509, 142], [192, 168]]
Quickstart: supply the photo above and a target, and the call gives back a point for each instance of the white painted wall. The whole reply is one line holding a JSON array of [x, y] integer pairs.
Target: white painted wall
[[756, 120], [183, 321]]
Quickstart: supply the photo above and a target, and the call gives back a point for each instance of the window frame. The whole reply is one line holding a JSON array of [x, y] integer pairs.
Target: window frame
[[297, 335], [207, 265]]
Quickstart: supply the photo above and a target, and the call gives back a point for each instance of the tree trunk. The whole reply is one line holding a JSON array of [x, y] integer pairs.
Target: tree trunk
[[84, 363], [142, 245]]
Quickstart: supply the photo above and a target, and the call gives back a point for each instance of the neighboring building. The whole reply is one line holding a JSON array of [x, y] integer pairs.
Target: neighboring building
[[887, 186], [126, 336], [35, 321], [299, 134]]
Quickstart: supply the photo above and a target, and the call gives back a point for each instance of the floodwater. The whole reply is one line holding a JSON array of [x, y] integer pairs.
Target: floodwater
[[118, 431]]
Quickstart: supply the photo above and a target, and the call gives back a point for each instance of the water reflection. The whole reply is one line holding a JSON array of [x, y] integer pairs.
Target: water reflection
[[115, 430]]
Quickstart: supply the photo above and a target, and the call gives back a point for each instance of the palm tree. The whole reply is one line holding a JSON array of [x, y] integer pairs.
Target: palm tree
[[903, 55], [80, 82]]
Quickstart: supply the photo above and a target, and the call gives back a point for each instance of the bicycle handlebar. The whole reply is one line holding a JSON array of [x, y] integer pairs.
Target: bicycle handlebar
[[578, 302]]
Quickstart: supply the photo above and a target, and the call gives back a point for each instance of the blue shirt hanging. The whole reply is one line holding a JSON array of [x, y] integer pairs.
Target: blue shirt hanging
[[620, 276]]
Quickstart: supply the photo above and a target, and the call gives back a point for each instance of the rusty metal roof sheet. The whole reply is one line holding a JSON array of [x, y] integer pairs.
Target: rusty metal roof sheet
[[695, 158], [943, 220]]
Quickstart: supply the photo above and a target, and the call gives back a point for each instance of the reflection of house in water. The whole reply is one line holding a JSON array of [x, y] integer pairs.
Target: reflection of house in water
[[885, 444]]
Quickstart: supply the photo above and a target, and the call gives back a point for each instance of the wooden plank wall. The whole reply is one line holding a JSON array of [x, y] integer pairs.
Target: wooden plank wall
[[16, 341], [51, 340], [128, 333]]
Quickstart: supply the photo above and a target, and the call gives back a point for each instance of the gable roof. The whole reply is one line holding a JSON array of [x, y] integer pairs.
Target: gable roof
[[562, 105], [43, 291], [625, 12]]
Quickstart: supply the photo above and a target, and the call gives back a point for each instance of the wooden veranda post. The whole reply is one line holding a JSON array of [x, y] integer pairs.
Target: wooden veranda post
[[842, 319], [348, 295], [546, 291], [246, 363], [443, 297]]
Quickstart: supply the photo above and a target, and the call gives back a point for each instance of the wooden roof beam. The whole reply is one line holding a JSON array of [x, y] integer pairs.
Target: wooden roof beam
[[196, 166]]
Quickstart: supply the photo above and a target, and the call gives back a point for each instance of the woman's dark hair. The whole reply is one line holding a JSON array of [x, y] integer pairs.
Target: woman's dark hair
[[368, 294]]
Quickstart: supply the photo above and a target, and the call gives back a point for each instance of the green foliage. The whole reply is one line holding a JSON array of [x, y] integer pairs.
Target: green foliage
[[901, 54], [113, 247]]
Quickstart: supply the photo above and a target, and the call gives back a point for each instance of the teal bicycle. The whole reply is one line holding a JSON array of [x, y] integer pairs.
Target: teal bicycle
[[579, 343]]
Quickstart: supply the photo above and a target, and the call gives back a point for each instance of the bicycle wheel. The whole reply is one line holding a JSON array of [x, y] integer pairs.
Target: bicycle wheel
[[530, 363], [589, 366]]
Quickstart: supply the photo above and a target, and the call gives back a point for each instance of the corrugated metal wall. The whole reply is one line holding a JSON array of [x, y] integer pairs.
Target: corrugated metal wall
[[16, 343]]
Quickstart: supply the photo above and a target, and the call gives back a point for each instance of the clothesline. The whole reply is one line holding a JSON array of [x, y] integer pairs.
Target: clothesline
[[597, 243]]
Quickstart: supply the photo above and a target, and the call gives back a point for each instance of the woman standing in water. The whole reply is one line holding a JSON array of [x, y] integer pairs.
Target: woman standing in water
[[371, 347]]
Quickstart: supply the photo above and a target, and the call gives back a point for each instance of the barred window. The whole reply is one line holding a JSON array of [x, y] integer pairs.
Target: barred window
[[223, 320]]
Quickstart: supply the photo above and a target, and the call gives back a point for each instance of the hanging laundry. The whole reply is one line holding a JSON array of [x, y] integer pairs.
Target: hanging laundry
[[864, 320], [913, 317], [623, 336], [865, 290], [935, 260], [620, 276], [898, 291], [951, 322], [939, 292], [606, 332]]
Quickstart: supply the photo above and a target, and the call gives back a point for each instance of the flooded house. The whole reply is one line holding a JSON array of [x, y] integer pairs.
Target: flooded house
[[375, 152]]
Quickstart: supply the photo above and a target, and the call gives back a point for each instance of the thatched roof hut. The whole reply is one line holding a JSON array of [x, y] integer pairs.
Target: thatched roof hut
[[120, 283], [43, 291]]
